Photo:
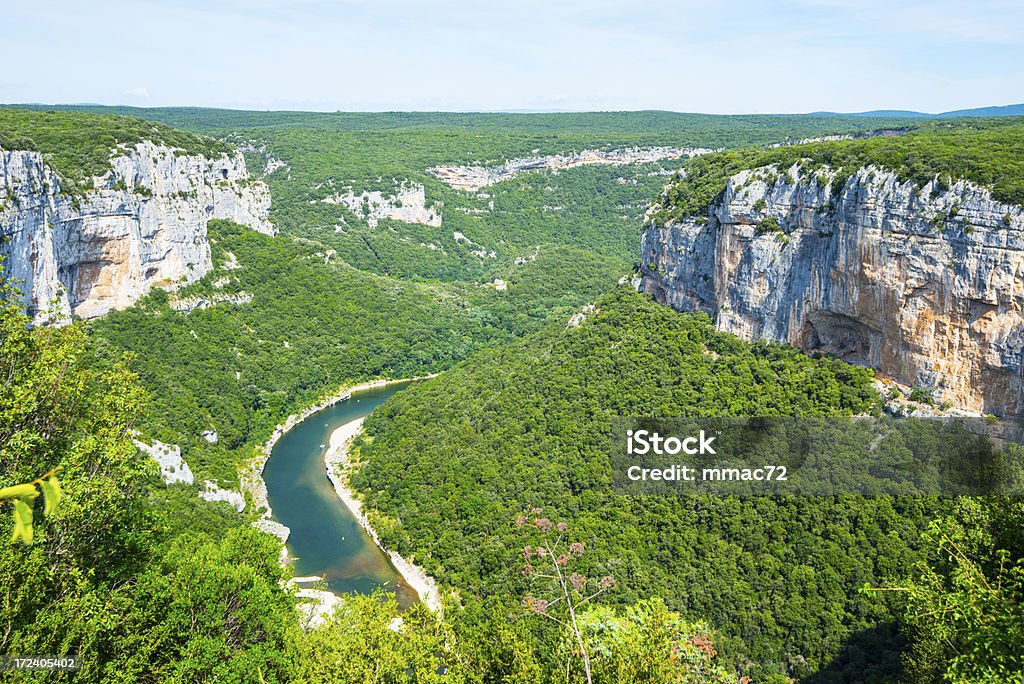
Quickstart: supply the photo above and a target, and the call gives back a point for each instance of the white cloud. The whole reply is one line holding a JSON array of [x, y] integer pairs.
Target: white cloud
[[138, 92]]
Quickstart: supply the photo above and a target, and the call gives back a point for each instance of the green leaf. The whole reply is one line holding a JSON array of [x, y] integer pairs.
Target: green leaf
[[53, 494], [22, 521], [24, 491]]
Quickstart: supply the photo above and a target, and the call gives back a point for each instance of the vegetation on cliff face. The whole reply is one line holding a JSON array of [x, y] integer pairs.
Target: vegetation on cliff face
[[989, 152], [79, 146]]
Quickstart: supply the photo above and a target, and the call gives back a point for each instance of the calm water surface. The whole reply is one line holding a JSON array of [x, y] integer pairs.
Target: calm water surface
[[326, 540]]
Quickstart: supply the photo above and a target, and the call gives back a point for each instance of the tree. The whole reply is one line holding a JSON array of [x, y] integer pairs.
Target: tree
[[965, 607]]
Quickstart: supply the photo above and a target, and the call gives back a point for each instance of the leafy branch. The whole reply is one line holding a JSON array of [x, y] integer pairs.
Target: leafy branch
[[22, 497]]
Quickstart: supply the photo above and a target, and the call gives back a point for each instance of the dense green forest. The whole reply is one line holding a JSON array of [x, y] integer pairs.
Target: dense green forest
[[595, 209], [79, 146], [526, 426], [147, 583], [989, 152], [313, 324], [708, 130], [152, 584]]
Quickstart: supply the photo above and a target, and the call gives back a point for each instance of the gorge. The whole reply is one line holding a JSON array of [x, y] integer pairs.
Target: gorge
[[209, 414]]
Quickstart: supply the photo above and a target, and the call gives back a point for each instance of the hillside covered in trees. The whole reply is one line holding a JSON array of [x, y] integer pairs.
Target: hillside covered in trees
[[779, 576], [464, 471]]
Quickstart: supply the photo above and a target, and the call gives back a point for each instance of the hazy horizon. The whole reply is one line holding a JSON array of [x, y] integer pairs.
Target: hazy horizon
[[732, 57], [883, 111]]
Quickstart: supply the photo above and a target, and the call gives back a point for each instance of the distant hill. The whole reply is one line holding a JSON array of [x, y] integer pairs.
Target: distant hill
[[213, 120], [1004, 110], [878, 114]]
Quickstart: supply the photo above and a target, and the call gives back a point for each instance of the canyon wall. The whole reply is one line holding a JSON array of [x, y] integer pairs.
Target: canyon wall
[[926, 285], [143, 225], [474, 178]]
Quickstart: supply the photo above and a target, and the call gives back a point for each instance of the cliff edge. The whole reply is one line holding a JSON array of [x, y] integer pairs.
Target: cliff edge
[[923, 284], [141, 225]]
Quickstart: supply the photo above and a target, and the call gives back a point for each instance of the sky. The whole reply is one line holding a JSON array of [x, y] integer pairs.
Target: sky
[[500, 55]]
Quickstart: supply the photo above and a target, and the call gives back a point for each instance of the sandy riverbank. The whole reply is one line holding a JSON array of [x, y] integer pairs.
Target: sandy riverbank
[[319, 603], [251, 475], [335, 461]]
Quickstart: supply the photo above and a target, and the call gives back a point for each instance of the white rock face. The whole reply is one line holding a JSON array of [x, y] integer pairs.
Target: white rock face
[[192, 303], [577, 319], [273, 527], [168, 456], [211, 492], [926, 286], [408, 204], [474, 178], [88, 255], [316, 606]]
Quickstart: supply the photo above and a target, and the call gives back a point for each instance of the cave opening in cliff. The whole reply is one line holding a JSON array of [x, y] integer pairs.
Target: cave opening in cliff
[[837, 335]]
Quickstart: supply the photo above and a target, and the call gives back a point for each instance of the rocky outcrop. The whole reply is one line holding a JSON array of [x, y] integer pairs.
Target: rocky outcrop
[[143, 226], [173, 467], [211, 491], [407, 204], [187, 304], [926, 285], [473, 178]]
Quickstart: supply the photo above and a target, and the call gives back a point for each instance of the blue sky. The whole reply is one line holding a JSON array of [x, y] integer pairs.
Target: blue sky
[[721, 57]]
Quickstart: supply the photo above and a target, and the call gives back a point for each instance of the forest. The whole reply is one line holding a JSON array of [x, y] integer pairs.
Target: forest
[[79, 146], [779, 576], [471, 473], [313, 324], [362, 302]]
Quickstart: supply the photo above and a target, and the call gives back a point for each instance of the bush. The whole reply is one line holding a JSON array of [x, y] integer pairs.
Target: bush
[[922, 395]]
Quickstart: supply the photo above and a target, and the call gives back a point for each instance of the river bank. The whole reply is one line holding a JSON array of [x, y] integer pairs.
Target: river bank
[[251, 474], [336, 461], [318, 604]]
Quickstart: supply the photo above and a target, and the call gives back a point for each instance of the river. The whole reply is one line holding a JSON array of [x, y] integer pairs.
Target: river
[[326, 540]]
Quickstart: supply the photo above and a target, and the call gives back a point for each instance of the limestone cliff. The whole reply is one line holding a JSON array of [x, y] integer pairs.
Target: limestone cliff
[[143, 225], [926, 285], [474, 178], [407, 203]]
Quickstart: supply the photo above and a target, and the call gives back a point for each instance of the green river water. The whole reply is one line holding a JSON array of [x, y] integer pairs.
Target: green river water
[[326, 540]]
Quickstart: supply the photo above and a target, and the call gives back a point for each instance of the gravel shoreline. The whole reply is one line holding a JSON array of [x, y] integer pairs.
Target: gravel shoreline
[[336, 460], [251, 482]]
